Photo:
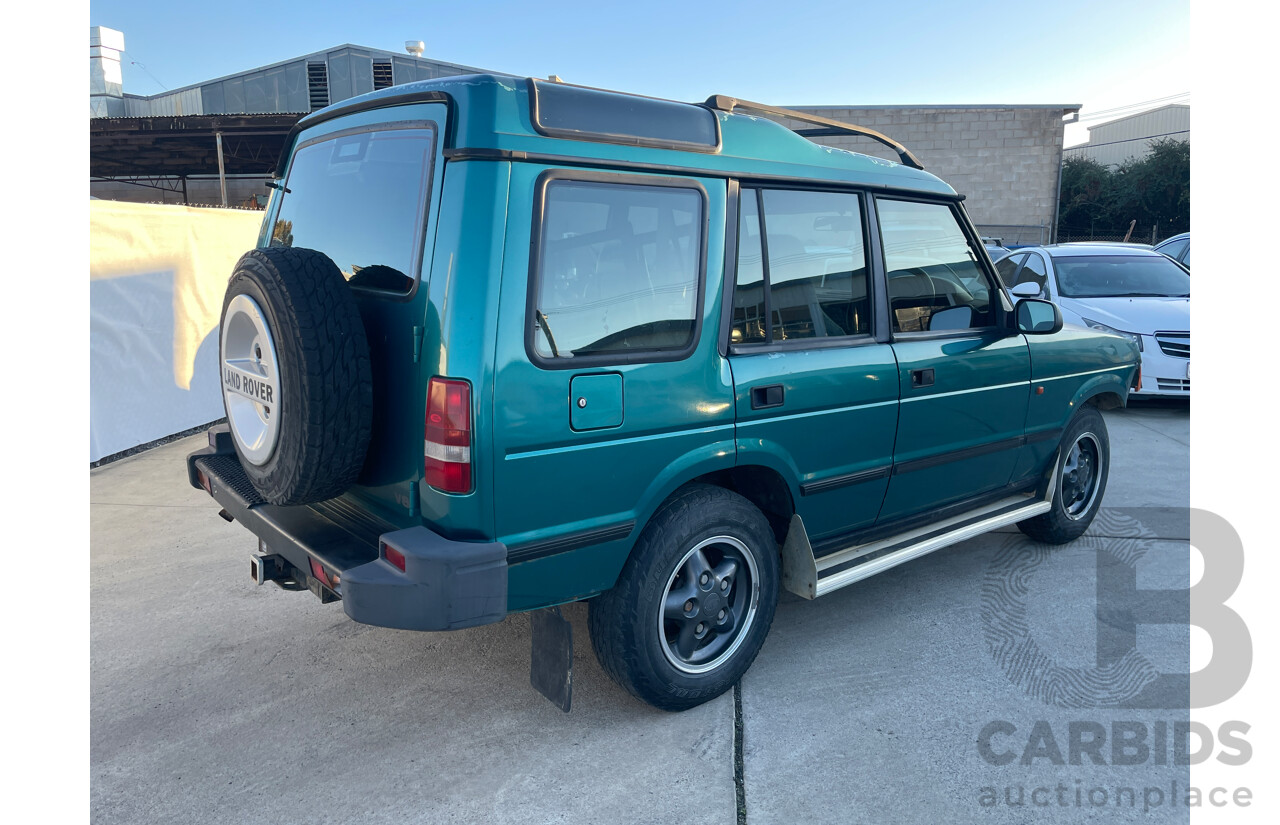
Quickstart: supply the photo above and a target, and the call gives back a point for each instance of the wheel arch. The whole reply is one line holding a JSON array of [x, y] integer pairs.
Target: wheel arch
[[764, 486], [1106, 391]]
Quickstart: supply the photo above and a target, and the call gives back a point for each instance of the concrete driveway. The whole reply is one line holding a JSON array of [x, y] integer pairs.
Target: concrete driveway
[[217, 701]]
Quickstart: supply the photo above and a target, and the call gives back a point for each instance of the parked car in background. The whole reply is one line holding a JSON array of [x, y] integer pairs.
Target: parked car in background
[[995, 247], [1122, 288], [996, 251], [1178, 247], [1138, 244]]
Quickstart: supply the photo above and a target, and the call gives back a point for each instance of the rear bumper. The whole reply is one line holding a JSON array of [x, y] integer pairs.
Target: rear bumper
[[446, 584]]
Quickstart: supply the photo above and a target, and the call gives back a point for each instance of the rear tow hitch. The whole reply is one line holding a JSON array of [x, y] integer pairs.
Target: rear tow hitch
[[272, 567]]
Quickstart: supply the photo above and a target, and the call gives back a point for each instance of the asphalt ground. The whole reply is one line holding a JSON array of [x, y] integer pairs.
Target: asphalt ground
[[944, 690]]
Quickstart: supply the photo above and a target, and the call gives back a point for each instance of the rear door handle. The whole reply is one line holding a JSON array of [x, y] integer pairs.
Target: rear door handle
[[922, 378], [766, 396]]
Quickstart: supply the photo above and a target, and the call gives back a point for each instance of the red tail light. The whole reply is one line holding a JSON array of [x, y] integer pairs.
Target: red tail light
[[448, 436], [318, 570], [394, 556]]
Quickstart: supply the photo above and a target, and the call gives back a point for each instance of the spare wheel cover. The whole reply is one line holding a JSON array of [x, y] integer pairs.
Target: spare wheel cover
[[250, 379]]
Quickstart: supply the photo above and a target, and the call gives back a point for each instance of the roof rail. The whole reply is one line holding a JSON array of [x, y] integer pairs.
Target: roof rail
[[829, 127]]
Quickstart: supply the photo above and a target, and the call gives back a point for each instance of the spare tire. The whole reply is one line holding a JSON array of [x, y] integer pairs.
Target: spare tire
[[297, 383]]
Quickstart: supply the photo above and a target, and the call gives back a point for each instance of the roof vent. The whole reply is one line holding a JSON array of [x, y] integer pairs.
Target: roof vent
[[415, 47], [318, 84], [382, 76]]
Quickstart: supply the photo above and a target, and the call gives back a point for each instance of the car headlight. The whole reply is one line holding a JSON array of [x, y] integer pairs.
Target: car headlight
[[1098, 325]]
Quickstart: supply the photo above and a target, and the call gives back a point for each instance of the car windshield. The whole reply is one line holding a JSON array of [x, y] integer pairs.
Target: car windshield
[[1120, 276]]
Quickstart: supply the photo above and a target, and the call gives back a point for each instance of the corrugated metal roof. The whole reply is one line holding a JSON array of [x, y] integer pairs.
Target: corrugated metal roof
[[320, 55], [1140, 114], [177, 146]]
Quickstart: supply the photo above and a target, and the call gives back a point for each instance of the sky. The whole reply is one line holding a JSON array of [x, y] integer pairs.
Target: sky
[[1103, 55]]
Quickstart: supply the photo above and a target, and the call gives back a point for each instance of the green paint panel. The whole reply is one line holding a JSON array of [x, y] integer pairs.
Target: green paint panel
[[838, 418], [977, 402]]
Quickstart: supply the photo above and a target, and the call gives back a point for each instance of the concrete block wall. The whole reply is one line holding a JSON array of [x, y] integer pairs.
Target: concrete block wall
[[1005, 160]]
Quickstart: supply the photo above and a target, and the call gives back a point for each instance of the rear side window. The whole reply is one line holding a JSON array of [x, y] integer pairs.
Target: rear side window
[[935, 282], [804, 275], [1175, 249], [618, 269], [1008, 267], [1034, 273], [360, 199]]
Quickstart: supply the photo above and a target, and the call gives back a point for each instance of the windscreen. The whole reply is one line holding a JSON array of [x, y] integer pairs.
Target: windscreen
[[1120, 276]]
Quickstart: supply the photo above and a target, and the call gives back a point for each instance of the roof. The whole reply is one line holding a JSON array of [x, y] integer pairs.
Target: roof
[[1146, 113], [1085, 249], [378, 53], [1181, 236], [1068, 107], [183, 145], [494, 116]]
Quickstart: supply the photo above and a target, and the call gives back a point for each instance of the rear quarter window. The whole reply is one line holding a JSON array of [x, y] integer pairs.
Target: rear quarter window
[[617, 272]]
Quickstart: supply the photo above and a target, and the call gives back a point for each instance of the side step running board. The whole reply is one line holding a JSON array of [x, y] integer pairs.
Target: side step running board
[[806, 576]]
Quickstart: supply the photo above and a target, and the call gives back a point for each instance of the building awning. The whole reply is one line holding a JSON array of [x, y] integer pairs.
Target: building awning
[[186, 146]]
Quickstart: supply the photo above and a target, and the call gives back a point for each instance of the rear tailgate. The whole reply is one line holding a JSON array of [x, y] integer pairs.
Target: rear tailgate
[[363, 189]]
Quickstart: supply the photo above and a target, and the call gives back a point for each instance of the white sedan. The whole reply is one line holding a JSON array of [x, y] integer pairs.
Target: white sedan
[[1130, 290]]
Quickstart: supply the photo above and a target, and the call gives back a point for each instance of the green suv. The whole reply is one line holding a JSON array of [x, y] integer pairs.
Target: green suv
[[505, 345]]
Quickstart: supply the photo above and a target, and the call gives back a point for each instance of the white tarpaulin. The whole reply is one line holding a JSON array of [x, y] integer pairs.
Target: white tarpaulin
[[157, 277]]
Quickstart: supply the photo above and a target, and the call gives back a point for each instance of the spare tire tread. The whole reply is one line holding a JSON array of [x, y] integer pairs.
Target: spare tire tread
[[320, 340]]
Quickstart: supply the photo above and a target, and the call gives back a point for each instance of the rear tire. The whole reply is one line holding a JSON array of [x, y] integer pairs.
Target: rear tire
[[291, 332], [1083, 463], [694, 602]]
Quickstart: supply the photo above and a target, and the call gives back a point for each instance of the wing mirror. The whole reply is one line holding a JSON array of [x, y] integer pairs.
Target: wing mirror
[[1026, 289], [1037, 317]]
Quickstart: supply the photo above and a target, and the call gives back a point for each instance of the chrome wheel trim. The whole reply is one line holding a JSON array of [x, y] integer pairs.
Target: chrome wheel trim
[[250, 380], [729, 560], [1082, 470]]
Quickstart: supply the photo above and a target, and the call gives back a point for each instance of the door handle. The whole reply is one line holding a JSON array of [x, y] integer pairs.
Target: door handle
[[922, 378], [766, 396]]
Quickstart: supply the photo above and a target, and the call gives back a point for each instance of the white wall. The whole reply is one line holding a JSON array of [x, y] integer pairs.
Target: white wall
[[157, 275]]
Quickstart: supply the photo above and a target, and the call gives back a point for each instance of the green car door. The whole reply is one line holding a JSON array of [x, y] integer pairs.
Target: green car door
[[816, 393], [965, 378]]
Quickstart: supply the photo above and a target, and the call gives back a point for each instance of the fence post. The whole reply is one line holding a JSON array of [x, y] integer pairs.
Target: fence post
[[222, 174]]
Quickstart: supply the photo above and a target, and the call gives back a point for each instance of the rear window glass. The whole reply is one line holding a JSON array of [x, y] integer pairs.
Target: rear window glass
[[359, 198], [618, 270], [590, 114], [816, 273]]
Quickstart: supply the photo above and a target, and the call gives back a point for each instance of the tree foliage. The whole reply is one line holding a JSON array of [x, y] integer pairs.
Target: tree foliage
[[1154, 190]]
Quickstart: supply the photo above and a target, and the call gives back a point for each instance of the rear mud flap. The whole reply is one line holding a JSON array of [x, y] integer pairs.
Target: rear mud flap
[[551, 659]]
